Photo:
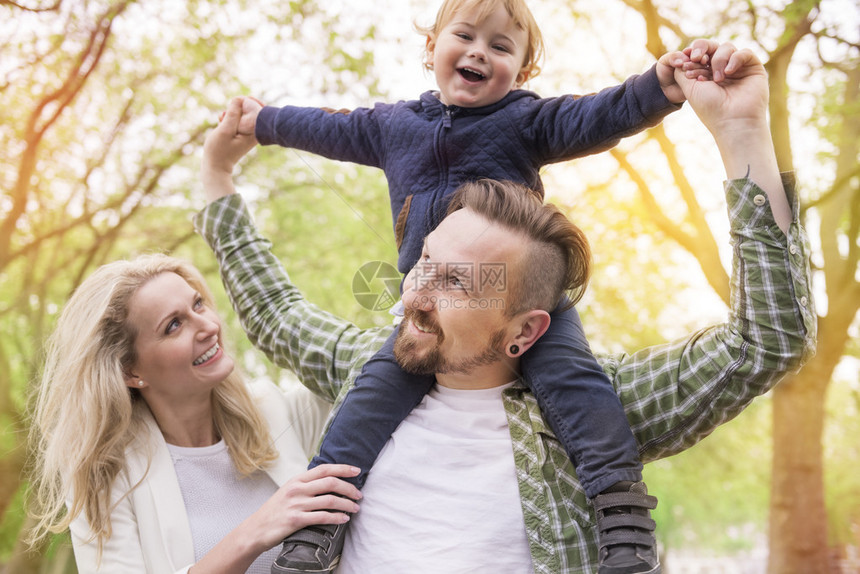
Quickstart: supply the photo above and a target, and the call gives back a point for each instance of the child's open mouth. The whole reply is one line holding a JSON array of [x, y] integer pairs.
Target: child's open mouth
[[471, 75]]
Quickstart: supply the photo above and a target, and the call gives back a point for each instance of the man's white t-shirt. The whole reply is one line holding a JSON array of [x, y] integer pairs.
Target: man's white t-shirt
[[443, 494]]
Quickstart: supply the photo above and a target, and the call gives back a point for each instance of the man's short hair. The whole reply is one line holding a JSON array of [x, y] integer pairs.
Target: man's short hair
[[556, 258]]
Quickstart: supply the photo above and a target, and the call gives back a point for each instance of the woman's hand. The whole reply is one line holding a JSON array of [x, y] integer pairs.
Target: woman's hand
[[316, 496], [306, 499]]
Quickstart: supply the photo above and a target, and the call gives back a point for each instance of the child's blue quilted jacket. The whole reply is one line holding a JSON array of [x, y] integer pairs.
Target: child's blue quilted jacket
[[427, 149]]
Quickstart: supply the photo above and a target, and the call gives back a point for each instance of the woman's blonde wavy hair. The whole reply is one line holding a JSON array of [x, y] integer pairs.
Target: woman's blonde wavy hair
[[84, 415]]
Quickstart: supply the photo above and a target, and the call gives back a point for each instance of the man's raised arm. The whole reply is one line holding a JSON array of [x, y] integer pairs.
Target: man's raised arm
[[678, 393]]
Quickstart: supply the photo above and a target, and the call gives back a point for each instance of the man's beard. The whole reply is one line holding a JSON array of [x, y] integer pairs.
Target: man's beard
[[432, 362]]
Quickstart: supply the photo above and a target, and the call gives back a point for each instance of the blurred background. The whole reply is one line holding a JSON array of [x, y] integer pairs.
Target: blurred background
[[104, 106]]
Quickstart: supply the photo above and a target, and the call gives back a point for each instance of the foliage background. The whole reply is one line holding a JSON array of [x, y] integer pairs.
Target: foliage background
[[104, 105]]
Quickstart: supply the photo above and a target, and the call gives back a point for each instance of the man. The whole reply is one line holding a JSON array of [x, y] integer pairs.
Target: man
[[427, 505]]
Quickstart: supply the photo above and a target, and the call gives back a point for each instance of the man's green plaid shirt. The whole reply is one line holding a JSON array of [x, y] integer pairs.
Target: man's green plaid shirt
[[674, 394]]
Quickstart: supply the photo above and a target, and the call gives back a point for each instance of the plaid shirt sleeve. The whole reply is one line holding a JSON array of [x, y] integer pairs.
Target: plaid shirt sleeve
[[678, 393], [324, 351]]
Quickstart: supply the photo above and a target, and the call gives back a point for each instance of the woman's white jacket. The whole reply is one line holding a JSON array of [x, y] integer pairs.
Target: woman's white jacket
[[151, 534]]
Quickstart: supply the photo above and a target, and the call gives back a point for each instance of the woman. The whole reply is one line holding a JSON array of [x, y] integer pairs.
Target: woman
[[154, 451]]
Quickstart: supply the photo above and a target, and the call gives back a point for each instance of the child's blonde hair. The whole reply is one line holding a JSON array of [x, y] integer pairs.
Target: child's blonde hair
[[516, 9]]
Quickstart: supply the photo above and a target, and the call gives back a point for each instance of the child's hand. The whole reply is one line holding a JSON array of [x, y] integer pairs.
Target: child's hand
[[250, 109], [672, 61]]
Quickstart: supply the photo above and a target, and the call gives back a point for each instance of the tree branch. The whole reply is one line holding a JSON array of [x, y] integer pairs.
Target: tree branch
[[705, 248], [86, 63], [147, 180], [841, 215], [653, 23], [828, 196], [52, 8], [797, 26]]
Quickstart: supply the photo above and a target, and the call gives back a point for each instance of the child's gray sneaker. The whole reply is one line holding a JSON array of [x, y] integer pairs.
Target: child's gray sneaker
[[625, 530], [313, 549]]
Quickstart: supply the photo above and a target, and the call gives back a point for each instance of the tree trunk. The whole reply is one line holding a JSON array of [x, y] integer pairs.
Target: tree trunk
[[798, 522], [798, 516]]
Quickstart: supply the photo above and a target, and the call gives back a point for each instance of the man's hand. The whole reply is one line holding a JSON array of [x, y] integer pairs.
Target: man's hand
[[733, 106], [738, 95], [223, 148]]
